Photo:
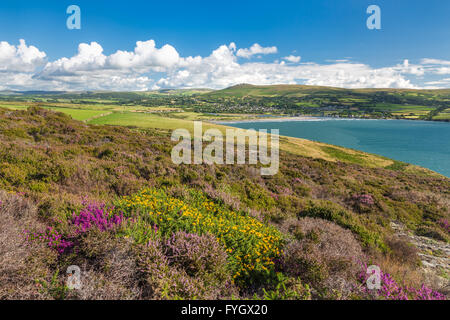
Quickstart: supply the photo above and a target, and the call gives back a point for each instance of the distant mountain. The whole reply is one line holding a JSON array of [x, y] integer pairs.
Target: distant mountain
[[30, 93]]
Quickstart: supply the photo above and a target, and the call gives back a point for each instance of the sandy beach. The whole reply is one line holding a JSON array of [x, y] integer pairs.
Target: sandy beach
[[270, 119]]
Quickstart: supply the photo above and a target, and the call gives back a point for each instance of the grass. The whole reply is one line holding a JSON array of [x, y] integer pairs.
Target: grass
[[165, 118], [444, 115], [76, 113], [149, 120], [297, 146], [268, 91], [57, 164], [342, 155]]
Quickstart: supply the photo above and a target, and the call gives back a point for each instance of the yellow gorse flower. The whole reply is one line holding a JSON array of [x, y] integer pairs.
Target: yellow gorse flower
[[249, 243]]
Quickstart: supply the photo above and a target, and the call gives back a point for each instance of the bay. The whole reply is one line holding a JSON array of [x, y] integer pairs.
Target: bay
[[424, 143]]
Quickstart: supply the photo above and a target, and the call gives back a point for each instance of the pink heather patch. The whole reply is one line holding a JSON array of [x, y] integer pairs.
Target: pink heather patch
[[96, 215], [391, 290], [445, 225], [93, 215], [365, 199], [50, 236]]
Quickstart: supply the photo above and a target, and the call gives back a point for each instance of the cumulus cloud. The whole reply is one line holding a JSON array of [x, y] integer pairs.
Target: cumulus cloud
[[90, 57], [293, 59], [122, 70], [408, 68], [221, 69], [145, 55], [148, 67], [255, 49], [18, 63], [21, 58]]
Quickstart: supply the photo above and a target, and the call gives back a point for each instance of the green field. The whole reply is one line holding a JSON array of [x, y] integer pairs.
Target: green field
[[75, 113], [246, 101], [301, 90], [444, 115]]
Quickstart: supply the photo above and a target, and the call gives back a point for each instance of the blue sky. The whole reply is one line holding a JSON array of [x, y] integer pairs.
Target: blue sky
[[329, 37]]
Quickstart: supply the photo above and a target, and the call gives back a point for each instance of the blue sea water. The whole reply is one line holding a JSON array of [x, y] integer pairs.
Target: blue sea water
[[424, 143]]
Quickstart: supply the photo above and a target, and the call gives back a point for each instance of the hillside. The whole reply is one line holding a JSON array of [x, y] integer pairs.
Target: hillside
[[249, 100], [331, 102], [295, 90], [110, 200]]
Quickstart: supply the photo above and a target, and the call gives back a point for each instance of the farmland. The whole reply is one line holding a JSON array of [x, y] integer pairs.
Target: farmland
[[246, 101]]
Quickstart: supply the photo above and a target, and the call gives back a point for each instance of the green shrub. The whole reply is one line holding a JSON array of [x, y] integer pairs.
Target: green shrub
[[287, 289], [331, 212]]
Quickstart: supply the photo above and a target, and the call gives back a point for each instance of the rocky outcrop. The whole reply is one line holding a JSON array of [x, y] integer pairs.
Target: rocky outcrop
[[434, 256]]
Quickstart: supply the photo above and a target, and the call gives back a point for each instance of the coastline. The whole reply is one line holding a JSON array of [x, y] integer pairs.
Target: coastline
[[311, 118], [311, 122], [286, 119]]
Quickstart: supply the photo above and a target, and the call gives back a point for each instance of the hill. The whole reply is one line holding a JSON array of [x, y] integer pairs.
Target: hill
[[243, 90], [110, 200], [293, 90], [328, 101]]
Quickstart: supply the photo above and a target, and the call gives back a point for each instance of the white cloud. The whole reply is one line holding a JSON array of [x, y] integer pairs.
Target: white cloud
[[255, 49], [21, 58], [149, 67], [437, 66], [442, 82], [221, 69], [90, 57], [435, 61], [123, 70], [18, 64], [408, 68], [145, 55], [293, 59]]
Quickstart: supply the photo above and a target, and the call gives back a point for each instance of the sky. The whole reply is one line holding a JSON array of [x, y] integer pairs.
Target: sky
[[148, 45]]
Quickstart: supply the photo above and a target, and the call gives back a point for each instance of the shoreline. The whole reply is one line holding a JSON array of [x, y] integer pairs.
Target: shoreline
[[310, 118], [287, 119], [270, 119]]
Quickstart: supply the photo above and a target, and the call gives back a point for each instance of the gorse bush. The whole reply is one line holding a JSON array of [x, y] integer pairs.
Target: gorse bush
[[252, 247]]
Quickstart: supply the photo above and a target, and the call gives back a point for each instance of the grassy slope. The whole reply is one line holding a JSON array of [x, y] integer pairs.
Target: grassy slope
[[57, 161], [296, 146], [300, 90], [270, 91], [135, 117], [22, 129], [344, 97]]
